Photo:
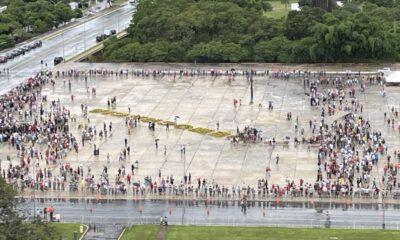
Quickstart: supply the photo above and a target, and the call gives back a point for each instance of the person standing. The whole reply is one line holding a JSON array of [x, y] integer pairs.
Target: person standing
[[277, 158]]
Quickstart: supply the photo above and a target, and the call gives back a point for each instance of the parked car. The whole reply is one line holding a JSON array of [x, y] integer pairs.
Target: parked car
[[9, 56], [38, 43], [33, 45], [3, 58], [26, 48], [110, 32], [21, 51], [58, 60], [100, 37], [16, 53]]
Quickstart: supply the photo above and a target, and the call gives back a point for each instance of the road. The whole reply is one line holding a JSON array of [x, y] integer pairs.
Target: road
[[127, 212], [70, 42]]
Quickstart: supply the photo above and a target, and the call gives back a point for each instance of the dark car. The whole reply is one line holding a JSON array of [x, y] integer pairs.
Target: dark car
[[32, 45], [37, 43], [100, 37], [58, 60], [21, 51], [27, 48], [15, 53], [9, 56]]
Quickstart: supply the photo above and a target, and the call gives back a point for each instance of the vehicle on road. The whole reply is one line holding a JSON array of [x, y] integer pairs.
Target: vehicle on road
[[110, 32], [22, 50], [3, 59], [19, 51], [100, 37], [9, 56], [26, 48], [36, 44], [58, 60], [106, 34]]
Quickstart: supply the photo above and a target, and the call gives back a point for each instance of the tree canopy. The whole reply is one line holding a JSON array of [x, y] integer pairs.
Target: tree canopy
[[25, 18], [12, 221], [239, 31]]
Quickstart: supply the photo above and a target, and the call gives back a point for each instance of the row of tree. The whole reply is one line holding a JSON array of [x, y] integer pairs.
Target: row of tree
[[25, 18], [239, 31]]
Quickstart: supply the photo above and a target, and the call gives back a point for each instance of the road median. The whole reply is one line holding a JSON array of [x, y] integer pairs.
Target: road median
[[92, 50]]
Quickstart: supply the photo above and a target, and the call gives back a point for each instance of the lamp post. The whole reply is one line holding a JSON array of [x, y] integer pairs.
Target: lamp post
[[184, 167], [84, 35], [118, 23], [251, 88], [34, 190], [63, 52], [383, 207]]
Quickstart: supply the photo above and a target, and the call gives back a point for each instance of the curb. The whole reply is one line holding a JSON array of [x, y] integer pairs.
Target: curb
[[86, 53], [94, 49], [120, 235], [84, 233]]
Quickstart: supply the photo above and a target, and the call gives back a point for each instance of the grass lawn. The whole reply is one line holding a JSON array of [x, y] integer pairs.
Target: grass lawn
[[142, 232], [67, 229], [119, 1], [278, 9], [148, 232]]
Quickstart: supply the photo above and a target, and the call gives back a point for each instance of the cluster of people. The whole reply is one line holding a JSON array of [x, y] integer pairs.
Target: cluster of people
[[348, 148], [190, 72], [249, 134], [36, 131]]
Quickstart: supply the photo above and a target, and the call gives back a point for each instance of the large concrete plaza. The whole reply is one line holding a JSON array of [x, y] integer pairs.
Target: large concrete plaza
[[202, 102]]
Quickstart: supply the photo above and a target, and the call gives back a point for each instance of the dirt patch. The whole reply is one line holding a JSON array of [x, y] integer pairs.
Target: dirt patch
[[162, 233]]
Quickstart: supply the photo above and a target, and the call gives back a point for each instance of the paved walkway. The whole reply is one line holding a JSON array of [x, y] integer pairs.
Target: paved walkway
[[204, 101], [104, 231]]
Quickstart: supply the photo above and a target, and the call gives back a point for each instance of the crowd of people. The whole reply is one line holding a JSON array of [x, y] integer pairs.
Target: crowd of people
[[348, 148], [36, 132], [191, 72]]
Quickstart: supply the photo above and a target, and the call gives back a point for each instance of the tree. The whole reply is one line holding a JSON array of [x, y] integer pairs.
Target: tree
[[299, 23], [38, 15], [238, 30], [6, 41], [13, 224]]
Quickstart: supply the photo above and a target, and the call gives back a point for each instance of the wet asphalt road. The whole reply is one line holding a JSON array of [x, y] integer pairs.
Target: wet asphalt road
[[129, 212], [67, 44]]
